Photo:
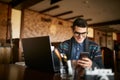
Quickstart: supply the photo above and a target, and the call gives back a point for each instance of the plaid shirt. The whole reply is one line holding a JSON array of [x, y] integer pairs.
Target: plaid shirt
[[68, 47]]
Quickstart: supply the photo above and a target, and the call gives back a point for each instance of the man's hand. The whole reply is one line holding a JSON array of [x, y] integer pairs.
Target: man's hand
[[84, 62]]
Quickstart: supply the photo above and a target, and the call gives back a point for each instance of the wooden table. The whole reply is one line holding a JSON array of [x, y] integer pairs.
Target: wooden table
[[18, 72]]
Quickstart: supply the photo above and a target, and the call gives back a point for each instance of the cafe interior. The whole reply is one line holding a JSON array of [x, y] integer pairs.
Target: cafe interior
[[35, 18]]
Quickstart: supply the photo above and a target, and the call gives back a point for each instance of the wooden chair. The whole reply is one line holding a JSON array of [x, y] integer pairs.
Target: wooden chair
[[5, 55], [109, 60]]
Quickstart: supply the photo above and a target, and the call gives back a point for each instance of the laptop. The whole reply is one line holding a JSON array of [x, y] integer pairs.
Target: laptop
[[38, 55]]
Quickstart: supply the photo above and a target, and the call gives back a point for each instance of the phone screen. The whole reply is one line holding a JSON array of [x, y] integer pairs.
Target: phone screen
[[83, 54]]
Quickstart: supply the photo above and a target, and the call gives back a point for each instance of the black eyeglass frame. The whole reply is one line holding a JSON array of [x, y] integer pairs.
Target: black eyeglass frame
[[78, 33]]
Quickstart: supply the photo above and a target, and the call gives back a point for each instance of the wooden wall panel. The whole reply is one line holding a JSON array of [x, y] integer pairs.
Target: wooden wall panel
[[118, 37]]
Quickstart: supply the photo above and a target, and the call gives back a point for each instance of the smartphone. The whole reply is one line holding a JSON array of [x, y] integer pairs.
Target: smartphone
[[83, 54]]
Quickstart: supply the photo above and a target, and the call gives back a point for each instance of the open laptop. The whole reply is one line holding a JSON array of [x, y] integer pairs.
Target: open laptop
[[38, 54]]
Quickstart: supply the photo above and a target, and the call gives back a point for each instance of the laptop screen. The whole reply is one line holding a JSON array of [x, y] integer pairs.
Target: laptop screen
[[38, 55]]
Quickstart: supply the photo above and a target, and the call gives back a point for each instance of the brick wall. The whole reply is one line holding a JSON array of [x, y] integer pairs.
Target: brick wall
[[35, 24], [3, 21]]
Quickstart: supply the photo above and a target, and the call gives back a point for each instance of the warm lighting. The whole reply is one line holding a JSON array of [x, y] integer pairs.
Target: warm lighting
[[90, 32], [16, 21], [114, 36], [53, 29]]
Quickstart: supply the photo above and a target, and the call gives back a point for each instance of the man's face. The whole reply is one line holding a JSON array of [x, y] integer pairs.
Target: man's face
[[80, 34]]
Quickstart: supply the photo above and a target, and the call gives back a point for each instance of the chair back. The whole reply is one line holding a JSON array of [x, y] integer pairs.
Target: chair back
[[5, 55], [109, 58]]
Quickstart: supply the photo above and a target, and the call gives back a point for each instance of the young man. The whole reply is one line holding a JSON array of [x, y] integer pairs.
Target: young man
[[80, 43]]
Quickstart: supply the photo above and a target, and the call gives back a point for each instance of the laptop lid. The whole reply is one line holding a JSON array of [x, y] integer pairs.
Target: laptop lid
[[38, 54]]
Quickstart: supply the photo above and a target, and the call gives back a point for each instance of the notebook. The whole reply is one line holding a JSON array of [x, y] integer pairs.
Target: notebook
[[38, 55]]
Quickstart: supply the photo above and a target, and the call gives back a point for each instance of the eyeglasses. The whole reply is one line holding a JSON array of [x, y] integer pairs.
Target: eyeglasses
[[82, 34]]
